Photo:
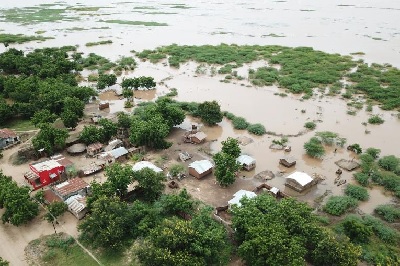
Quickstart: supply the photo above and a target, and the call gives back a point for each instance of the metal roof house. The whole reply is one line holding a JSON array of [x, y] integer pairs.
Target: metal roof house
[[94, 148], [300, 181], [70, 188], [239, 195], [8, 138], [145, 164], [77, 206], [200, 169], [247, 162]]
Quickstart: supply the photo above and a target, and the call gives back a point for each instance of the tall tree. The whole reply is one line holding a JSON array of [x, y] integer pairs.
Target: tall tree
[[54, 210], [43, 116], [120, 176], [50, 139], [210, 112], [231, 146], [74, 105], [108, 129], [91, 134], [69, 118], [226, 168], [106, 80], [150, 185], [19, 207], [150, 132], [108, 224]]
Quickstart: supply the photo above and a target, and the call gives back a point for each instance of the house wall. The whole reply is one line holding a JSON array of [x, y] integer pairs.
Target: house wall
[[4, 142], [44, 176], [194, 173], [249, 167]]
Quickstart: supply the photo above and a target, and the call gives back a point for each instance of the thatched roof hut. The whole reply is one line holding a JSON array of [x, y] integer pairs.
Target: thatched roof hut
[[287, 161], [77, 148]]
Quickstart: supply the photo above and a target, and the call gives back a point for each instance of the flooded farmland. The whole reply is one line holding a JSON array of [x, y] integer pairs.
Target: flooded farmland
[[369, 28]]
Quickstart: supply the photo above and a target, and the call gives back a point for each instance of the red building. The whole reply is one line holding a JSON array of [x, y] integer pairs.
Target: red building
[[44, 173]]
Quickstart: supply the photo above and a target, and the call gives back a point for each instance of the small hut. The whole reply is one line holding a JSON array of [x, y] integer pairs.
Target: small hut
[[200, 169], [76, 148], [94, 149], [247, 162], [300, 181], [77, 206], [196, 138], [287, 161]]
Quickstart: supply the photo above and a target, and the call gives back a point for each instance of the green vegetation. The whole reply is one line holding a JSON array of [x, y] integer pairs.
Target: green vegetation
[[310, 125], [256, 129], [99, 43], [136, 23], [285, 232], [176, 169], [356, 192], [19, 207], [3, 262], [376, 120], [226, 166], [210, 112], [338, 205], [36, 14], [314, 148], [301, 69], [388, 212], [20, 38], [240, 123]]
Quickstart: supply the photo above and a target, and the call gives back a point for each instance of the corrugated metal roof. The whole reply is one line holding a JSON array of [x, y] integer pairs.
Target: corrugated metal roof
[[201, 166], [301, 178], [70, 186], [239, 195], [46, 165], [118, 152], [245, 159], [76, 203], [143, 164]]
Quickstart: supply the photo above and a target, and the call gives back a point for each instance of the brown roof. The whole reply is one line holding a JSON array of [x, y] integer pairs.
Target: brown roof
[[50, 196], [7, 133], [70, 186], [64, 161], [94, 146]]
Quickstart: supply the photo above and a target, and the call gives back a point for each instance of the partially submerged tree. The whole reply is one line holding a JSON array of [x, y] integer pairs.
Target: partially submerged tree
[[314, 148], [210, 112], [106, 80], [150, 133]]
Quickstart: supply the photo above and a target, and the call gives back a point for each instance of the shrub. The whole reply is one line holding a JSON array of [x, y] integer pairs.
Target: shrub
[[240, 123], [356, 192], [176, 169], [384, 232], [356, 230], [314, 148], [389, 163], [388, 212], [337, 205], [229, 115], [373, 152], [390, 181], [257, 129], [310, 125], [362, 179], [376, 120]]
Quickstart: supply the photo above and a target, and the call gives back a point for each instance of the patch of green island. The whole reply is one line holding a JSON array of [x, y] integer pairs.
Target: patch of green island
[[136, 23], [300, 70], [20, 38], [36, 14], [99, 43], [178, 6]]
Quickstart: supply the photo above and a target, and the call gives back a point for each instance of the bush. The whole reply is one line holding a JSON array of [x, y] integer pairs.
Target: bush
[[176, 169], [373, 152], [389, 163], [389, 213], [314, 148], [376, 120], [229, 115], [356, 230], [384, 232], [240, 123], [362, 179], [390, 181], [310, 125], [257, 129], [356, 192], [337, 205]]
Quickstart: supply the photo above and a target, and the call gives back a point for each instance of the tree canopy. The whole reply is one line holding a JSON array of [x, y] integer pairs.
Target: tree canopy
[[150, 132], [210, 112], [50, 139], [150, 185]]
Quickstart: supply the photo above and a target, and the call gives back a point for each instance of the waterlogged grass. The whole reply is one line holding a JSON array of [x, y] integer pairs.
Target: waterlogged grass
[[86, 9], [300, 69], [144, 7], [98, 43], [36, 14], [20, 38], [135, 23]]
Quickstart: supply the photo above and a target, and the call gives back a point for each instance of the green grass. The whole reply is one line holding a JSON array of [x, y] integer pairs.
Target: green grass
[[86, 9], [144, 7], [37, 14], [20, 38], [135, 23], [99, 43], [20, 125]]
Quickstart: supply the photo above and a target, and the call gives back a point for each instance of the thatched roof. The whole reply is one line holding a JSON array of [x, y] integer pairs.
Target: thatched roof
[[349, 165], [77, 148]]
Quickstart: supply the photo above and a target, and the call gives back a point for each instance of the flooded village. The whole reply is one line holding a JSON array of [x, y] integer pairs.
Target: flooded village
[[275, 162]]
